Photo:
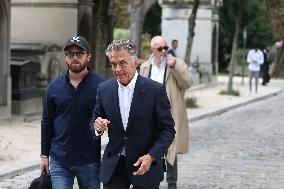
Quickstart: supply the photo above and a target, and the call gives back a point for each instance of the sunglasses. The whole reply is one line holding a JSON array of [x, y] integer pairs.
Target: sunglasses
[[160, 49], [77, 54]]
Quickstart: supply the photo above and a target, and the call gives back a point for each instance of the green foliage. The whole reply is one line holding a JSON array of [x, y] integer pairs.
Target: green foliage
[[272, 54], [121, 14], [201, 70], [146, 46], [241, 57], [254, 19], [120, 33], [230, 93], [223, 73], [191, 102], [152, 22]]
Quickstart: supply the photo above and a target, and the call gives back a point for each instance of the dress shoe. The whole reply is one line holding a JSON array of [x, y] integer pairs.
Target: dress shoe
[[172, 186]]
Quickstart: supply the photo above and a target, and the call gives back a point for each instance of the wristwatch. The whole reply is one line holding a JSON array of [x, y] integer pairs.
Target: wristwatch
[[43, 156]]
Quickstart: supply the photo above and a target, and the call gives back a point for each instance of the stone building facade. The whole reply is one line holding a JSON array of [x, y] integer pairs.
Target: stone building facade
[[175, 15], [35, 31], [39, 29], [5, 79]]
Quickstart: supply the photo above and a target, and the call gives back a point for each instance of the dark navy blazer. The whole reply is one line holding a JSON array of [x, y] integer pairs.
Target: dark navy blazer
[[150, 129]]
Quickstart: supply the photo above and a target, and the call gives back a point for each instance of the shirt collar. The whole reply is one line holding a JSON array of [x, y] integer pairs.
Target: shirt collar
[[130, 85], [163, 64]]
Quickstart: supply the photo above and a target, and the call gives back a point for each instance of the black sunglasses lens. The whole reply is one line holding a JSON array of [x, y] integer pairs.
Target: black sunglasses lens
[[69, 54], [160, 49], [77, 54]]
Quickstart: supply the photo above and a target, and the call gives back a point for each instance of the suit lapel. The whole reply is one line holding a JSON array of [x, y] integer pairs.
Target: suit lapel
[[136, 102], [167, 74]]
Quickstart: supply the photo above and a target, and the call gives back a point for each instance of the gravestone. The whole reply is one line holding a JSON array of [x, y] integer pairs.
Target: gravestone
[[26, 96], [5, 79]]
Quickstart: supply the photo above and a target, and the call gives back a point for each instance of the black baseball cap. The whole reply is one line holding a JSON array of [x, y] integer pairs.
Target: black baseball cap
[[79, 41]]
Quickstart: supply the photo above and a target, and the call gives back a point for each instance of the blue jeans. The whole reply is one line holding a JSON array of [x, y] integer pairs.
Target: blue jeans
[[63, 178]]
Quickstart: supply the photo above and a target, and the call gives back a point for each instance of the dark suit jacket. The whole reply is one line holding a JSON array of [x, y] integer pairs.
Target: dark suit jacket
[[150, 129]]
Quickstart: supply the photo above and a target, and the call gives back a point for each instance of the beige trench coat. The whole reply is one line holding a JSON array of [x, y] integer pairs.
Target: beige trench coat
[[178, 79]]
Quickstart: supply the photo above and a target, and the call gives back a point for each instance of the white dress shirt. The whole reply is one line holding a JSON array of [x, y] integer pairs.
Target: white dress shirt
[[125, 95], [255, 59], [157, 74]]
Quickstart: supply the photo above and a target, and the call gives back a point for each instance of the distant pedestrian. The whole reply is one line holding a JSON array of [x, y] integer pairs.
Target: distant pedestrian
[[265, 67], [67, 143], [254, 60], [173, 50], [175, 75]]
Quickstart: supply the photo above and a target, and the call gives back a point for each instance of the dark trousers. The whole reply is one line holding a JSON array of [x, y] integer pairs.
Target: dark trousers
[[172, 171], [265, 73], [119, 179]]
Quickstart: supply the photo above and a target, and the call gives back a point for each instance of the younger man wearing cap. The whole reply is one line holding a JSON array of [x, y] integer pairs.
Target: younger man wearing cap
[[67, 145]]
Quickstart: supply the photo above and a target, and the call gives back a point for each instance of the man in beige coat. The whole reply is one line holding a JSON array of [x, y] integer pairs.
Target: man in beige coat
[[174, 73]]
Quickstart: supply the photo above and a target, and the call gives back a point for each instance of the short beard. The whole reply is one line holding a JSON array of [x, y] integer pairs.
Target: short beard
[[78, 68]]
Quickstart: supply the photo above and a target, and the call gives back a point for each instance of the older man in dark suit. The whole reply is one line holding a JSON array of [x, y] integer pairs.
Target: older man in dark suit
[[136, 112]]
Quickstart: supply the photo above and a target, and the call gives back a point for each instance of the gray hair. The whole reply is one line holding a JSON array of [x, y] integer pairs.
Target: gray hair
[[118, 45]]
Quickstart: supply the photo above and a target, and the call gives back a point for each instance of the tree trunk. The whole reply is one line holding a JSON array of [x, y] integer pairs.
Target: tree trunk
[[276, 14], [136, 22], [233, 58], [278, 69], [101, 36], [137, 12], [234, 48], [191, 26], [110, 27], [86, 28]]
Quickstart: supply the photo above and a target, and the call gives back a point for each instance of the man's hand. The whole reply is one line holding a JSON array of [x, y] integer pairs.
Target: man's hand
[[171, 60], [145, 163], [44, 164], [101, 124]]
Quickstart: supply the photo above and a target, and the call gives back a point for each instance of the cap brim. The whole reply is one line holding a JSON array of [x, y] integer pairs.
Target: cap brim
[[75, 44]]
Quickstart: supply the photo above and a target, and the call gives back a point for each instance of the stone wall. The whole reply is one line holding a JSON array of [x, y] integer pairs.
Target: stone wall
[[205, 43], [39, 30], [5, 80], [43, 21]]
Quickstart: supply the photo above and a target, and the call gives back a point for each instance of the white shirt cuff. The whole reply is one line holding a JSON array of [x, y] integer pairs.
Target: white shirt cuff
[[98, 134]]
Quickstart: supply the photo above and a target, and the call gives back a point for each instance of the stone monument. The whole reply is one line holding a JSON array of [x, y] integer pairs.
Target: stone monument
[[5, 79], [175, 15]]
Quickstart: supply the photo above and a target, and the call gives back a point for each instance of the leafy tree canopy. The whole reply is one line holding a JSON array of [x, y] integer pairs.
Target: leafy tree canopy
[[254, 19]]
